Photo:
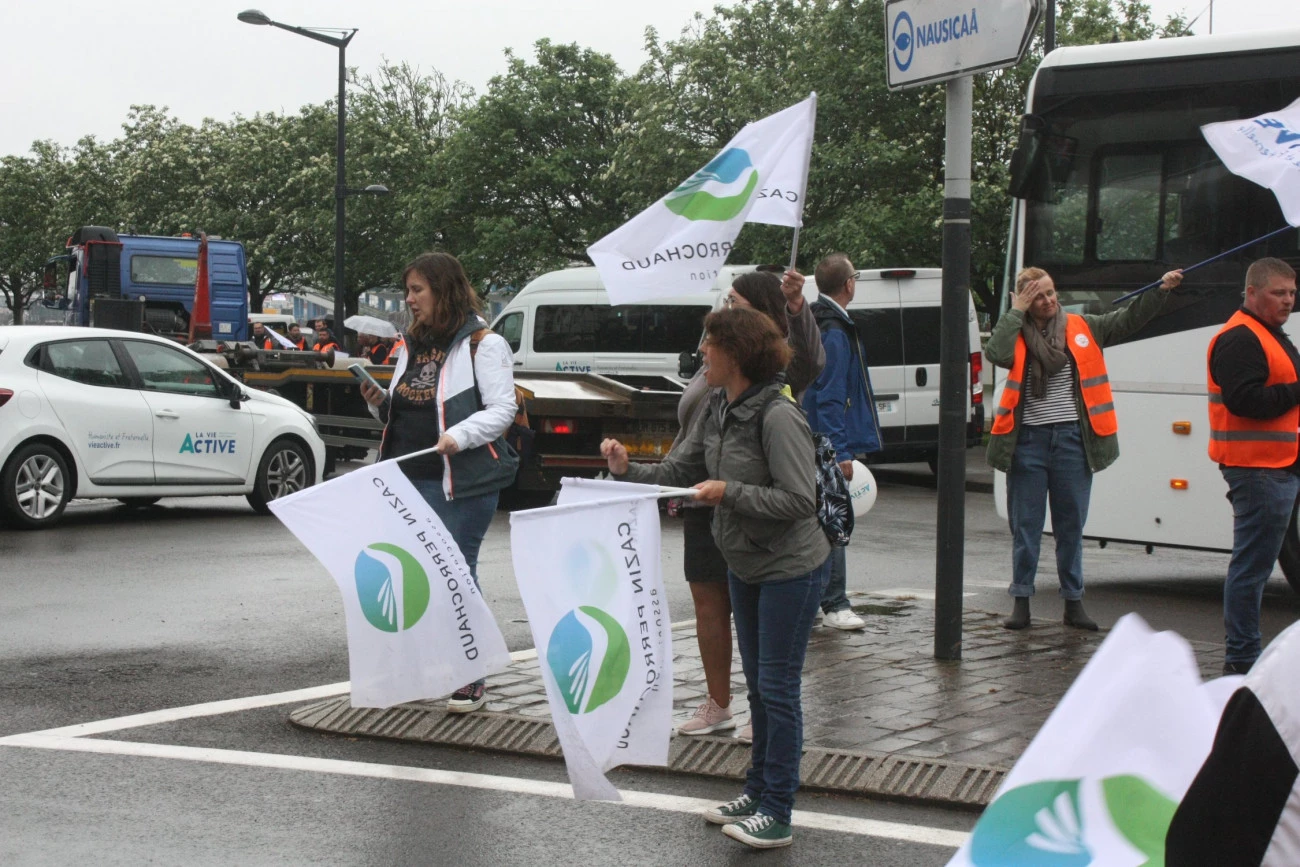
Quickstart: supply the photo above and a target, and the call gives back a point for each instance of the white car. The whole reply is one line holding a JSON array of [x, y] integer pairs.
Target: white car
[[91, 412]]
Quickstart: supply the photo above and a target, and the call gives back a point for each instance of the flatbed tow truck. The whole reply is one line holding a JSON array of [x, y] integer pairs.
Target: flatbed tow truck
[[568, 414]]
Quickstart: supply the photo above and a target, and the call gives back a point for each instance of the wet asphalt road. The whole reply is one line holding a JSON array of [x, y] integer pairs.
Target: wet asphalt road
[[120, 612]]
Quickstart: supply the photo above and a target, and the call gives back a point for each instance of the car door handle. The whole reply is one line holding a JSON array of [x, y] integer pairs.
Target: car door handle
[[166, 413], [921, 376]]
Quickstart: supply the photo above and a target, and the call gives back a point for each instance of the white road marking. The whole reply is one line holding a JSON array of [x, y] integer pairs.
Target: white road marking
[[645, 800], [212, 708]]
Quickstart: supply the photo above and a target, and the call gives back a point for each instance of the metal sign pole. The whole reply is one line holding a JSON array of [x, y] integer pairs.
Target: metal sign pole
[[954, 356]]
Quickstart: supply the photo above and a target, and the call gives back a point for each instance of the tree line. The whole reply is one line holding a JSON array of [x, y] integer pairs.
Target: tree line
[[558, 150]]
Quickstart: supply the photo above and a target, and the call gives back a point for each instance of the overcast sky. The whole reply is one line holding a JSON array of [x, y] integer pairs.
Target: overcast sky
[[69, 70]]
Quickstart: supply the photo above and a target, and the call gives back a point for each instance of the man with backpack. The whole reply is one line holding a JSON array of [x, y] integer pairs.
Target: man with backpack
[[839, 404]]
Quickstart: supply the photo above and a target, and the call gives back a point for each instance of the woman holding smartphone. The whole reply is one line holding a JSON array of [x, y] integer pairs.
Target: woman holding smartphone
[[453, 388]]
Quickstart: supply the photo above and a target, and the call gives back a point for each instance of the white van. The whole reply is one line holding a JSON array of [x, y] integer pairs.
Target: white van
[[563, 321], [897, 313]]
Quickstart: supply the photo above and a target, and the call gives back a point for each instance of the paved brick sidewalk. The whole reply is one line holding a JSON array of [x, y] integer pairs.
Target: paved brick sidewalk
[[881, 690], [882, 717]]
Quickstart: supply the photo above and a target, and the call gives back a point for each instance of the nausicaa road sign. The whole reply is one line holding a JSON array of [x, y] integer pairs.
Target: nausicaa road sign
[[934, 40]]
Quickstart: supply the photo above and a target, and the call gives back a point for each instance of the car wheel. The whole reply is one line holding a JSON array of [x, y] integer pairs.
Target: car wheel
[[284, 469], [36, 487], [138, 502], [1289, 558]]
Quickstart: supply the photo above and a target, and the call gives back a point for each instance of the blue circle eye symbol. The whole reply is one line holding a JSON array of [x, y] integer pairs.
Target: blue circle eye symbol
[[904, 41]]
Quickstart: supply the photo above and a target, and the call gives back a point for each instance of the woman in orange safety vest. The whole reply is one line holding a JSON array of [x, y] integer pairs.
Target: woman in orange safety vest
[[1055, 425]]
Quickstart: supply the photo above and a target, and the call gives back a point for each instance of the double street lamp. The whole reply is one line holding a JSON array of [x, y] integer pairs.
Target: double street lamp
[[339, 38]]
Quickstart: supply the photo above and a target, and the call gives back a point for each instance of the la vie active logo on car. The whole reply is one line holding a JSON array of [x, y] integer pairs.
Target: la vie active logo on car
[[209, 444]]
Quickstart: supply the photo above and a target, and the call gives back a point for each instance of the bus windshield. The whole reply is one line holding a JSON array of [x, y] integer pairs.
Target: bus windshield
[[1122, 186]]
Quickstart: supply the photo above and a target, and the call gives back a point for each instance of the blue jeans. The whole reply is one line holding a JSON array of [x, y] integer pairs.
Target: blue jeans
[[835, 596], [773, 621], [467, 520], [1262, 500], [1049, 463]]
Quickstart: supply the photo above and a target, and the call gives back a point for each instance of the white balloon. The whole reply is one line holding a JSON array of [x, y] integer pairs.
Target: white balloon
[[862, 489]]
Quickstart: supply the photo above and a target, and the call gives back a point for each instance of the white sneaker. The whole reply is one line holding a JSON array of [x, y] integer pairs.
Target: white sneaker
[[746, 734], [709, 717], [845, 619], [817, 618]]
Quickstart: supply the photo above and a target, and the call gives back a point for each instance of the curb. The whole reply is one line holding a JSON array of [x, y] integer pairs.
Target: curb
[[878, 775]]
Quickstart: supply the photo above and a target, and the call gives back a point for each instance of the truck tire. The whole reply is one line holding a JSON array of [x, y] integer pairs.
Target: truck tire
[[1289, 559], [36, 487], [284, 469]]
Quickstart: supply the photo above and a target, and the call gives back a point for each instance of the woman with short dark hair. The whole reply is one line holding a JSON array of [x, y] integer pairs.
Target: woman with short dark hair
[[750, 455]]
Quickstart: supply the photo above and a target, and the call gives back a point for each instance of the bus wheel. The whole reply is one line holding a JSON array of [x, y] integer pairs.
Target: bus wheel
[[1289, 559]]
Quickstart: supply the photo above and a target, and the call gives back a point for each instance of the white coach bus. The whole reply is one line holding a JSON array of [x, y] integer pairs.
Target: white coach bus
[[1115, 185]]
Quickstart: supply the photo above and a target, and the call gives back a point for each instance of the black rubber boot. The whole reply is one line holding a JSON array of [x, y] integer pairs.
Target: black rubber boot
[[1078, 618], [1019, 618]]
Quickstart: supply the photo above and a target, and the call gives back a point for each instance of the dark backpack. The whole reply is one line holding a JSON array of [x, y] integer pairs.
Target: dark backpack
[[834, 505]]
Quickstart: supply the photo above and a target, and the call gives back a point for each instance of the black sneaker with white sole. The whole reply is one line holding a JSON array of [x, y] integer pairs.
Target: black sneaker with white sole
[[467, 698]]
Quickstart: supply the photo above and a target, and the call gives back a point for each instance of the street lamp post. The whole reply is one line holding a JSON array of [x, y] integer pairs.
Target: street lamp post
[[322, 34]]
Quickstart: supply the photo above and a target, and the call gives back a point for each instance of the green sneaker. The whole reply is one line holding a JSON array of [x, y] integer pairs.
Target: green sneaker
[[741, 808], [760, 831]]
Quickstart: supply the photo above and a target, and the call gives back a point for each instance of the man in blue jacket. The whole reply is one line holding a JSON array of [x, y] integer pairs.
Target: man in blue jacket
[[840, 405]]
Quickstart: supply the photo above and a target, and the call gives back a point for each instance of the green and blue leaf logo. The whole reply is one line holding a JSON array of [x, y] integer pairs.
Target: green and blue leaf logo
[[589, 655], [1041, 825], [716, 192], [377, 591]]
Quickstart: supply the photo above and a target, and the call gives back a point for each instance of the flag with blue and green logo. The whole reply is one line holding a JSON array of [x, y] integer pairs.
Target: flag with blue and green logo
[[590, 580], [677, 245], [1100, 783], [417, 625]]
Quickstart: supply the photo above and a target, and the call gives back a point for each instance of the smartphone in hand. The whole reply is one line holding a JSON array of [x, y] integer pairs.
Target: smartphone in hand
[[363, 375]]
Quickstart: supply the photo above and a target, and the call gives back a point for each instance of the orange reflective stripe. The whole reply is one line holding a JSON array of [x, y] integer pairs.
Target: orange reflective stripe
[[1004, 420], [1094, 382], [1246, 442]]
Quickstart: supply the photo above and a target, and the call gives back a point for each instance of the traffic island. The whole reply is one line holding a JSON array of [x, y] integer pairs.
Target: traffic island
[[882, 717]]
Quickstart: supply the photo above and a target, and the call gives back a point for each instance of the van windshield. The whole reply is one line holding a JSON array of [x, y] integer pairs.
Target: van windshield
[[650, 328]]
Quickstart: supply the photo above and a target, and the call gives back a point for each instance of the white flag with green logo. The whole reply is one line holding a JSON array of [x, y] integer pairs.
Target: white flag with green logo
[[1101, 780], [590, 581], [417, 625], [677, 245]]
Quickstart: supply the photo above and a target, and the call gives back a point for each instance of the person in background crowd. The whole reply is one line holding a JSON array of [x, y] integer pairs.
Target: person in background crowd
[[372, 347], [451, 346], [781, 300], [840, 405], [396, 350], [261, 338], [1039, 439], [749, 454], [324, 341], [296, 336], [1254, 390]]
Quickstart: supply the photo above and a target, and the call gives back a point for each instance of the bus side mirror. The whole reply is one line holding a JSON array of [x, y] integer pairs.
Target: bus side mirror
[[1028, 160]]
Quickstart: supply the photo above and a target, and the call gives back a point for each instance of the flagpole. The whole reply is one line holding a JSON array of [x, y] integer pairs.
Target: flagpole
[[803, 190], [1190, 268], [583, 504]]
